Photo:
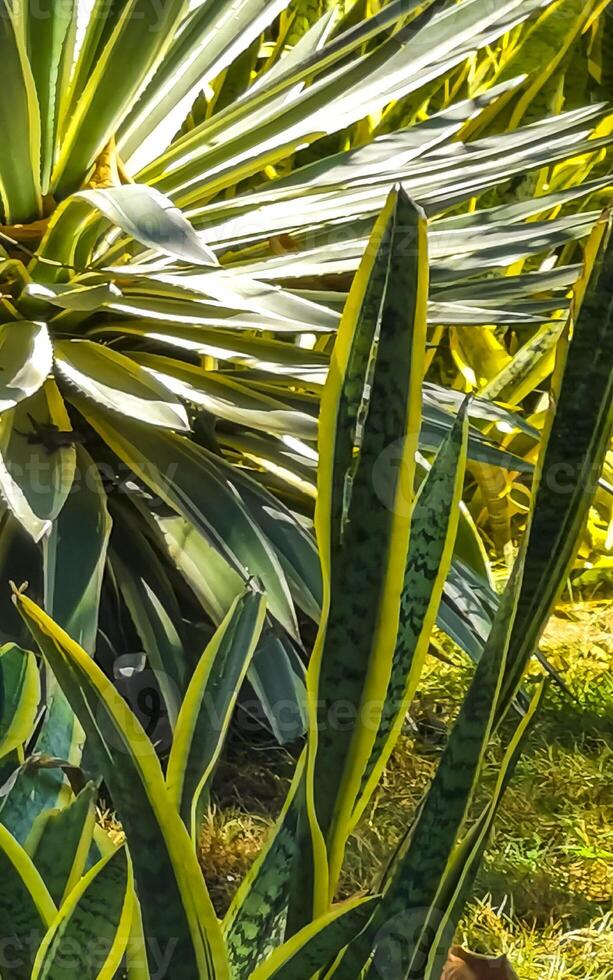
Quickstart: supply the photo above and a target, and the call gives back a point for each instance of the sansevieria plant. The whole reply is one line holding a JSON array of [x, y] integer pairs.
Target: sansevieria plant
[[161, 369], [384, 554], [187, 191]]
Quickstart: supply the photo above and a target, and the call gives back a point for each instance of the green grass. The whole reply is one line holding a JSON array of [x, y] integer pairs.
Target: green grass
[[545, 891]]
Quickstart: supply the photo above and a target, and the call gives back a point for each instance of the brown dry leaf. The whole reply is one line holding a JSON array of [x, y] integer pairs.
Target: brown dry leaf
[[464, 965]]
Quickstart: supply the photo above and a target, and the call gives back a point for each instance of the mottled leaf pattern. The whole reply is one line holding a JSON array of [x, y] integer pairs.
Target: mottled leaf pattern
[[89, 935], [26, 908], [575, 441], [433, 526], [256, 918], [175, 903], [368, 434], [60, 840]]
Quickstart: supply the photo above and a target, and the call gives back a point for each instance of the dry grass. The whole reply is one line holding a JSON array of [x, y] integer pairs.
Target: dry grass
[[548, 952], [545, 892], [229, 843]]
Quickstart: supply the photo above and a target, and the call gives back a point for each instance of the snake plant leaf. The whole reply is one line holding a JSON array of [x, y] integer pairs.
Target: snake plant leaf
[[137, 967], [372, 402], [60, 841], [19, 697], [254, 923], [27, 355], [26, 908], [20, 190], [141, 35], [318, 943], [175, 903], [114, 381], [208, 706], [89, 934], [466, 860], [454, 887], [529, 366], [186, 478], [434, 523], [468, 600], [36, 482], [415, 875], [575, 441], [35, 790]]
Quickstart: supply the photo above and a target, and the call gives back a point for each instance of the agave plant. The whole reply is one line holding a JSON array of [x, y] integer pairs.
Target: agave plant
[[162, 368], [384, 562]]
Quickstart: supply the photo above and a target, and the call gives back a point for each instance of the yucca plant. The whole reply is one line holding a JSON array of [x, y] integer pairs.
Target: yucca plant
[[162, 369], [384, 560]]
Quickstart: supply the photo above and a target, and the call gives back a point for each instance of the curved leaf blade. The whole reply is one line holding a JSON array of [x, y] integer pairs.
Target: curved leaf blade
[[19, 696], [371, 407], [175, 903], [19, 122], [26, 356], [37, 459], [189, 480], [208, 705], [60, 840], [116, 382], [311, 949], [26, 907], [150, 218], [434, 523], [90, 932]]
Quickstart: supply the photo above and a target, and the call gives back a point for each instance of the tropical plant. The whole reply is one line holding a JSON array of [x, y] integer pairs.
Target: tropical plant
[[384, 557], [162, 370]]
